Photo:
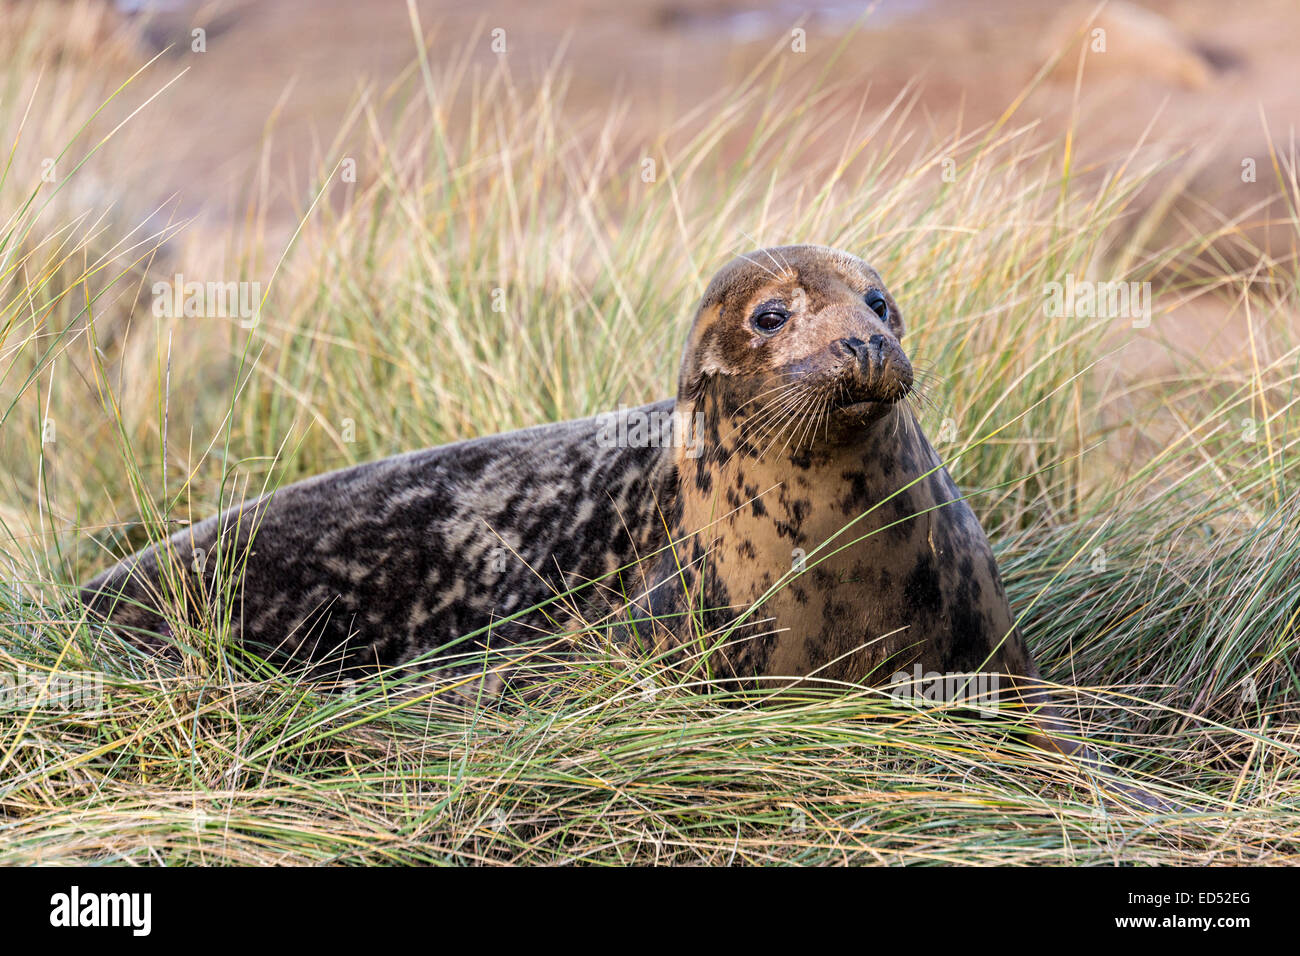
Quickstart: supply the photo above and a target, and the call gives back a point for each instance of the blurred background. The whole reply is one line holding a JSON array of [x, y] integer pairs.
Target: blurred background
[[270, 91], [1202, 78]]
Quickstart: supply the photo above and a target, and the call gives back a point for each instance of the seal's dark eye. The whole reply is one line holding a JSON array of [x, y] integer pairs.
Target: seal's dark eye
[[877, 303], [769, 321]]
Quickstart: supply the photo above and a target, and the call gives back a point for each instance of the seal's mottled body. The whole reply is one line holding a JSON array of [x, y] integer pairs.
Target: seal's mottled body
[[383, 561], [809, 508]]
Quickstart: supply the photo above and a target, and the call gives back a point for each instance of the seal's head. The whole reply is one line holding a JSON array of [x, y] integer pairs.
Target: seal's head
[[803, 336]]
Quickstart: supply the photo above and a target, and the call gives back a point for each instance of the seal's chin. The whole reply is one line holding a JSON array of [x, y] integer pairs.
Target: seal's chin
[[857, 406], [868, 408], [867, 405], [850, 419], [852, 416]]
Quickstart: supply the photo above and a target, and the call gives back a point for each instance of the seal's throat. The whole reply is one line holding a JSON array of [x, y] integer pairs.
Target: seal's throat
[[847, 559]]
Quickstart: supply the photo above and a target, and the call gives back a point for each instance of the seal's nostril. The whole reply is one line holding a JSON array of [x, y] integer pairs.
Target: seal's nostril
[[857, 348], [877, 341]]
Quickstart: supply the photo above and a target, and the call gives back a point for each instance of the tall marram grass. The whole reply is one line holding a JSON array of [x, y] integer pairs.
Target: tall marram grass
[[495, 263]]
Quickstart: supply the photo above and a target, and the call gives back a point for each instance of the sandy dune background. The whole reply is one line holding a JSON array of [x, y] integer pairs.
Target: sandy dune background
[[1201, 82]]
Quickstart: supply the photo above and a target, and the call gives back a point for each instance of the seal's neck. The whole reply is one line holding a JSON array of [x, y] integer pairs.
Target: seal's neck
[[809, 479]]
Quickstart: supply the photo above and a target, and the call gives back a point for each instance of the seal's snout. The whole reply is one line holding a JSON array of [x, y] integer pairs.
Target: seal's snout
[[879, 370]]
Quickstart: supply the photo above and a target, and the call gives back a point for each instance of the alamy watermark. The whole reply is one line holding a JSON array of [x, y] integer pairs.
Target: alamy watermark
[[72, 691], [979, 692], [194, 299], [1085, 299], [652, 428], [74, 909]]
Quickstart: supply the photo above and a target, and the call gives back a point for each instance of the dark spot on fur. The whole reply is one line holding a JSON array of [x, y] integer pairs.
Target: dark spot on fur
[[921, 591], [822, 579]]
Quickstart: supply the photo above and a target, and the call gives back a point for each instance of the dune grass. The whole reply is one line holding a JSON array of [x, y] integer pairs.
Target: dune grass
[[1147, 526]]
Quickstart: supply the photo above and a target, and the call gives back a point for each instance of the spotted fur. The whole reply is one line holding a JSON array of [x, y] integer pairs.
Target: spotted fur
[[375, 564]]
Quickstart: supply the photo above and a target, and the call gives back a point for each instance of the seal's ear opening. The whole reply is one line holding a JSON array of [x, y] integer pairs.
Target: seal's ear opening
[[700, 363], [695, 382]]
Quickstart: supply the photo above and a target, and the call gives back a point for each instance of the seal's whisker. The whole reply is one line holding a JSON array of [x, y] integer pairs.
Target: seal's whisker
[[801, 417], [926, 381], [770, 407], [756, 421], [904, 418], [839, 396], [769, 412], [769, 416], [826, 431], [810, 425], [782, 266], [774, 275], [775, 388], [788, 425], [924, 378], [795, 380], [813, 420], [776, 420], [784, 416], [923, 399]]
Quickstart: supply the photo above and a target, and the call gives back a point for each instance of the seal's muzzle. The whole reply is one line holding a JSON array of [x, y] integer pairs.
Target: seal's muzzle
[[879, 371]]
